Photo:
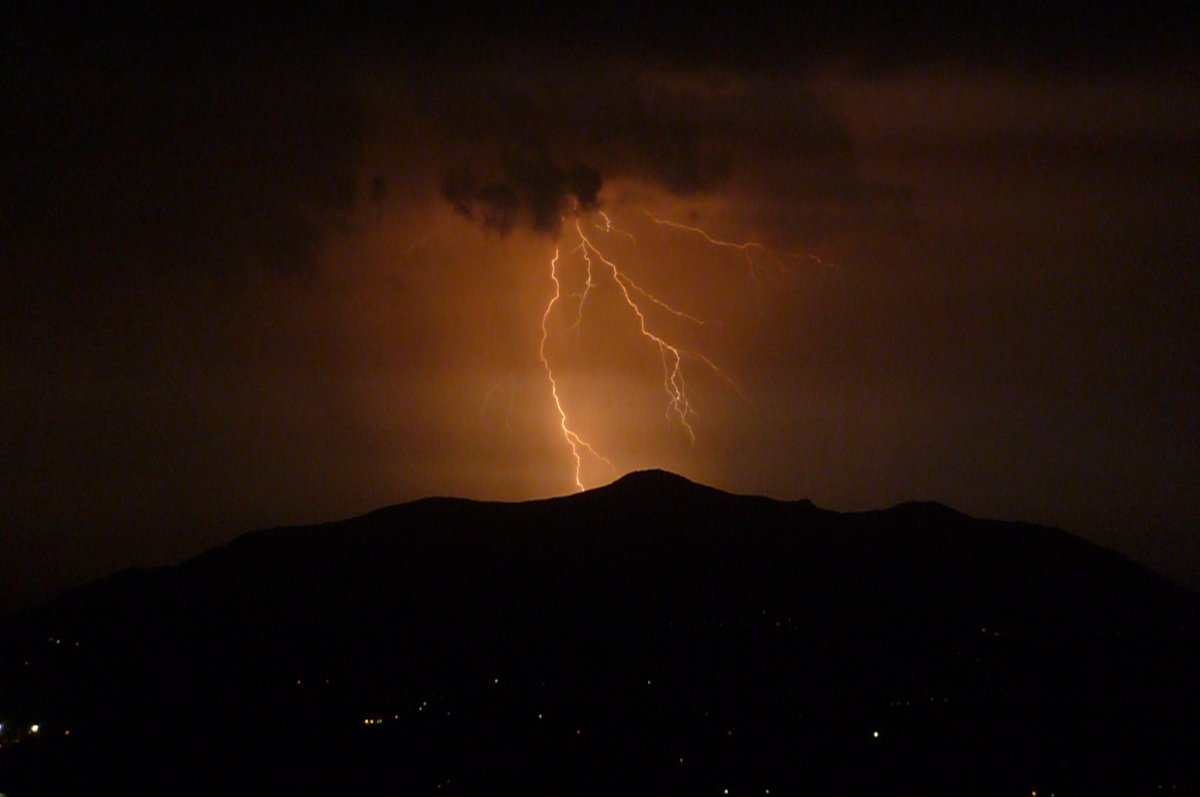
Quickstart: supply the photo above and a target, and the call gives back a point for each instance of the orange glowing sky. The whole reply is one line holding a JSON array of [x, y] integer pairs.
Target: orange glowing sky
[[303, 272]]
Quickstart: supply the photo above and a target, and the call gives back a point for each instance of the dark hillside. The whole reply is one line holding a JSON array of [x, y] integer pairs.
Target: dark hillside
[[588, 644]]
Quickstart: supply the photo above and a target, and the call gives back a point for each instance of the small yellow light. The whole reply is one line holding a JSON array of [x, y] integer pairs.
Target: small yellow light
[[33, 728], [875, 734]]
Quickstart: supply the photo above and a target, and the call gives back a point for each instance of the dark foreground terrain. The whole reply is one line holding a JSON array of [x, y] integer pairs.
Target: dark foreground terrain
[[650, 637]]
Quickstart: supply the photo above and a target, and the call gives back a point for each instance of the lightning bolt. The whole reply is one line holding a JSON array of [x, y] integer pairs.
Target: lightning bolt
[[772, 255], [582, 296], [672, 360], [609, 227], [573, 440], [746, 246], [599, 268], [674, 383]]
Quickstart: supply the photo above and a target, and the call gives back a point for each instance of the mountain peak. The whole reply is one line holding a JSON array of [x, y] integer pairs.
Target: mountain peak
[[654, 482], [656, 476]]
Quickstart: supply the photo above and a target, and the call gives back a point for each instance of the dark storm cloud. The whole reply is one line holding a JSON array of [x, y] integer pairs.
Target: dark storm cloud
[[506, 137], [891, 37], [530, 124], [1097, 37], [222, 161], [532, 189]]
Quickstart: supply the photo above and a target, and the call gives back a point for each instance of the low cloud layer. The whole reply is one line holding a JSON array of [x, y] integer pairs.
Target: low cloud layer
[[518, 149], [532, 189]]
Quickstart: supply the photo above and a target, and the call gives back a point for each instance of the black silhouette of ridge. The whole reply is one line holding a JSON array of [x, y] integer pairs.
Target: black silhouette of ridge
[[656, 480], [650, 636]]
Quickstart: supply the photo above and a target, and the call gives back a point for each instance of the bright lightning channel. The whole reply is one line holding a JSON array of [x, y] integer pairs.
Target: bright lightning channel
[[574, 440]]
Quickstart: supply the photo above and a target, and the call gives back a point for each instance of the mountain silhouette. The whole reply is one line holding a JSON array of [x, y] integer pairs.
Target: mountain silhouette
[[651, 636]]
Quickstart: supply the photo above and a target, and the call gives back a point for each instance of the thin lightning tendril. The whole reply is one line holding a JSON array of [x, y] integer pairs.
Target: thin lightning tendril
[[582, 296], [609, 227], [743, 247], [620, 276], [773, 255]]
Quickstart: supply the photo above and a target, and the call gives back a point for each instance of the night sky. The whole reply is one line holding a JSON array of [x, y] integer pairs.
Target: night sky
[[269, 269]]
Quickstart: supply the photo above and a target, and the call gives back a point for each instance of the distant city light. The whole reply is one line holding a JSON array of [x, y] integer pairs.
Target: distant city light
[[33, 728], [875, 734]]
